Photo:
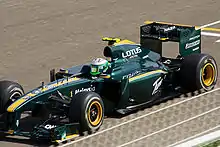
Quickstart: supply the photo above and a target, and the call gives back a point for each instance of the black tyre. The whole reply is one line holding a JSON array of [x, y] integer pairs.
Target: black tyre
[[87, 108], [198, 71], [9, 92]]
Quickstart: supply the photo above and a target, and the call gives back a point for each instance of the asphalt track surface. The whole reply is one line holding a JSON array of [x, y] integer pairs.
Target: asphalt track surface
[[39, 35]]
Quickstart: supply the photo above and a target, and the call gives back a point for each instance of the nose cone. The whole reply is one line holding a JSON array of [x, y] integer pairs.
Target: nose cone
[[39, 92]]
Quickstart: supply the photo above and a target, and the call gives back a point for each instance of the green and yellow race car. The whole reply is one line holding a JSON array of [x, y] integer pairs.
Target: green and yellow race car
[[132, 76]]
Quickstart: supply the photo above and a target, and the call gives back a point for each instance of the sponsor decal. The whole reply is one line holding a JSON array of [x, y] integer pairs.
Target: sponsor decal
[[48, 87], [49, 127], [195, 48], [192, 44], [169, 29], [132, 52], [156, 85], [37, 91], [84, 89], [28, 96], [133, 56], [130, 75], [195, 37]]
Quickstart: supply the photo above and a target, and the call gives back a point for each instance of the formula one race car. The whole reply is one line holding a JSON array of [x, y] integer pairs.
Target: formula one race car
[[134, 76]]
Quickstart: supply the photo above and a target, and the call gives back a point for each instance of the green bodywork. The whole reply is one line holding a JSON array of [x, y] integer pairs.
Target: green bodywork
[[137, 77], [190, 42]]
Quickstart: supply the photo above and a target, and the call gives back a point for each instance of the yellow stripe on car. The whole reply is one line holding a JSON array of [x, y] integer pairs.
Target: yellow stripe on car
[[10, 132], [124, 42], [105, 76], [67, 138], [111, 39], [17, 103], [31, 94], [146, 74], [163, 39], [23, 99]]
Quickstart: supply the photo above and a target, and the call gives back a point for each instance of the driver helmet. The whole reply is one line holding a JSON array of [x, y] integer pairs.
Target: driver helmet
[[99, 66]]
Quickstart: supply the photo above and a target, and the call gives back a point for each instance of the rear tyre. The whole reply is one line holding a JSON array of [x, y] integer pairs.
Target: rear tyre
[[9, 92], [198, 71], [87, 108]]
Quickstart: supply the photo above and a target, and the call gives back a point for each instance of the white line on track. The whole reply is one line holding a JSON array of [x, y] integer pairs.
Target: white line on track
[[172, 126], [194, 137], [145, 115], [210, 34], [208, 25]]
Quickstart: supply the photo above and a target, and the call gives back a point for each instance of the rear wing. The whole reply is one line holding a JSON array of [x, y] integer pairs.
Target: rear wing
[[152, 34]]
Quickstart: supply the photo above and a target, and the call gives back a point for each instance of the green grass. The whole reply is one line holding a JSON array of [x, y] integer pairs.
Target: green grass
[[212, 144]]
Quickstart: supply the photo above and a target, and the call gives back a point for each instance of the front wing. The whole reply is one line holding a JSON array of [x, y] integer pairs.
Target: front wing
[[54, 130]]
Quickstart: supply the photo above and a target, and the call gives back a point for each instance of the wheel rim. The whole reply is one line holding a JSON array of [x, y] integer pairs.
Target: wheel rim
[[95, 113], [208, 74]]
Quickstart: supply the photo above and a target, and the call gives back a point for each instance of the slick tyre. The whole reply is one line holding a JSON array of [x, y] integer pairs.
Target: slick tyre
[[87, 108], [198, 71], [9, 92]]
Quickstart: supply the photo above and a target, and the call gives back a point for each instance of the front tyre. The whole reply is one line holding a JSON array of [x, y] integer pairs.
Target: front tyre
[[198, 71], [87, 108], [9, 92]]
